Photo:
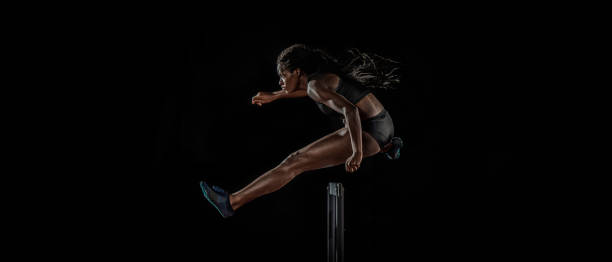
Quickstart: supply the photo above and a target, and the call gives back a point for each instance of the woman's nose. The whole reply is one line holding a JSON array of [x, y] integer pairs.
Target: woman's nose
[[280, 82]]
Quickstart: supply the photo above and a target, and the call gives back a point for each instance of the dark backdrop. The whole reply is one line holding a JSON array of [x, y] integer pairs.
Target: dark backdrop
[[171, 106]]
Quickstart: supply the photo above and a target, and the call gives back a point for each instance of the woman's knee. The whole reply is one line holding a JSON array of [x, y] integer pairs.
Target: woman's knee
[[295, 163]]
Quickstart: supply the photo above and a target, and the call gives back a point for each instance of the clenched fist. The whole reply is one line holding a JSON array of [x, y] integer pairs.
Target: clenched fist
[[353, 162]]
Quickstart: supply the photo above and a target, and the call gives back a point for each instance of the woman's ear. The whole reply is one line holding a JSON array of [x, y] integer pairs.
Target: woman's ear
[[297, 72]]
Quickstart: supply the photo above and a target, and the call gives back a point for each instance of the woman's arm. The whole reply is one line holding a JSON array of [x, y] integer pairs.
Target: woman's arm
[[320, 93], [266, 97], [281, 94]]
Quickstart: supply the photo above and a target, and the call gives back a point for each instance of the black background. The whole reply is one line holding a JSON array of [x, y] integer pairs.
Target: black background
[[164, 106]]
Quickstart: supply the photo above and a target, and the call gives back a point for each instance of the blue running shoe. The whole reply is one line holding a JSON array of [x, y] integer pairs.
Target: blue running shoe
[[394, 152], [219, 198]]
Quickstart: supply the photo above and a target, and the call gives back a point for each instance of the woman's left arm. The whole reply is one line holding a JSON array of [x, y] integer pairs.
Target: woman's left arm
[[322, 94]]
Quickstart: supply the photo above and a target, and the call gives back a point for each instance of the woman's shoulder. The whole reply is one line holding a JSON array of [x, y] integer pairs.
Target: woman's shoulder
[[329, 80]]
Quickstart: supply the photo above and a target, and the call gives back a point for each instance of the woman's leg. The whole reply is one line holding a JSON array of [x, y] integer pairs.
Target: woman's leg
[[328, 151]]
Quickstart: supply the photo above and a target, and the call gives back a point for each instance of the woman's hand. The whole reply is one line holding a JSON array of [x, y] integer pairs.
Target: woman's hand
[[353, 162], [263, 98]]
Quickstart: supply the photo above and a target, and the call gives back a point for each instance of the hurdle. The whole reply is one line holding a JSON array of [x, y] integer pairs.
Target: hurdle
[[335, 222]]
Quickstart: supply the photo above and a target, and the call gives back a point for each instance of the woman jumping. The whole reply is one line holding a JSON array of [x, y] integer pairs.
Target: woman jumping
[[341, 91]]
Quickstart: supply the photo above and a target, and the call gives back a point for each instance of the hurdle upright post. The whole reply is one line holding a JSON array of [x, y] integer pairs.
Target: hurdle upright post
[[335, 222]]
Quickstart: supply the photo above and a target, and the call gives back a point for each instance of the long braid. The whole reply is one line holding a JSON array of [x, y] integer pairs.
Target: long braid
[[372, 70]]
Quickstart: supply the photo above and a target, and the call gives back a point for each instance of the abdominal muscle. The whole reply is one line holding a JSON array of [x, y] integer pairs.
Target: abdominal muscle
[[369, 107]]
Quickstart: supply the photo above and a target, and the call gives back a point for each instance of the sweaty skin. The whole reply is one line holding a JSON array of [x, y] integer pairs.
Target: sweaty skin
[[331, 150], [368, 106], [322, 89]]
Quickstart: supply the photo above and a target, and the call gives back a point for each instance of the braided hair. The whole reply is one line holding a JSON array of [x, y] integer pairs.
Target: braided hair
[[370, 70]]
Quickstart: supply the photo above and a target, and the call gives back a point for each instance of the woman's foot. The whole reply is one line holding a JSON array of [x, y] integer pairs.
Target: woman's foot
[[393, 152], [219, 198]]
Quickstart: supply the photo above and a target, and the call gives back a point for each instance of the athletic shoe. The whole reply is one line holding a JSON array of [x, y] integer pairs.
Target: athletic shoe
[[219, 198]]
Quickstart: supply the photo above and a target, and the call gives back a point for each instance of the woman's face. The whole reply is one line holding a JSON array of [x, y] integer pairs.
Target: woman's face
[[289, 80]]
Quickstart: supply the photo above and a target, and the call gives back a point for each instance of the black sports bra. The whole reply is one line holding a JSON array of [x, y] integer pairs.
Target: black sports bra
[[351, 90]]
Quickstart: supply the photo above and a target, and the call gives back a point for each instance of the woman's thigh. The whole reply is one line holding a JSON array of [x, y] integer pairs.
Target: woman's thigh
[[330, 150]]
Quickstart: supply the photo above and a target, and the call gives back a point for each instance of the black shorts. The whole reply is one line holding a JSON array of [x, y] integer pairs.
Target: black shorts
[[380, 127]]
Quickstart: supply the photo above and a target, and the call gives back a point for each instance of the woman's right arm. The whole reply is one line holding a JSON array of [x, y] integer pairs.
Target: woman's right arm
[[267, 97], [294, 94]]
